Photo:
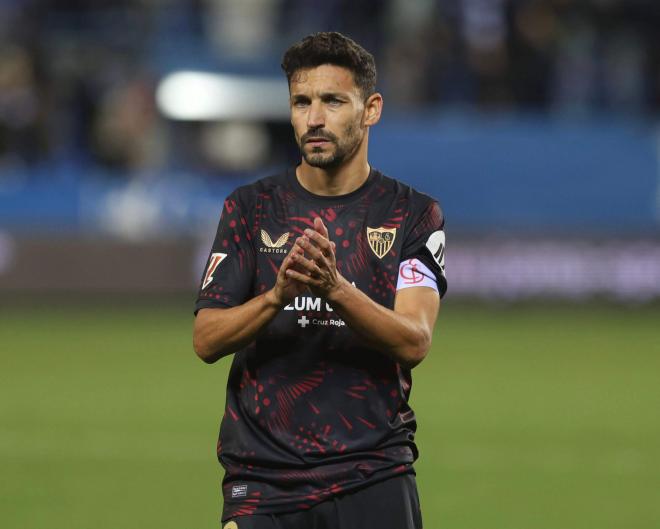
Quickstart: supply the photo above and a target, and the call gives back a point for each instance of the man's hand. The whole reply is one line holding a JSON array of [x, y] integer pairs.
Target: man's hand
[[316, 263], [287, 287]]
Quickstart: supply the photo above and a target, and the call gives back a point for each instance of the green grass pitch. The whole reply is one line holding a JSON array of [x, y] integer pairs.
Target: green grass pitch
[[530, 417]]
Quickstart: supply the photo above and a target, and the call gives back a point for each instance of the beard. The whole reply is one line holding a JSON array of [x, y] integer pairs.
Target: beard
[[340, 149]]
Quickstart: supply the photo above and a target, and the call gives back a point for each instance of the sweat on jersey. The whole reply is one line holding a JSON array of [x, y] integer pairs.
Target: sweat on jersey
[[311, 410]]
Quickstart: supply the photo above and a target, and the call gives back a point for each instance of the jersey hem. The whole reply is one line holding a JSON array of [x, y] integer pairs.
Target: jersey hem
[[295, 504]]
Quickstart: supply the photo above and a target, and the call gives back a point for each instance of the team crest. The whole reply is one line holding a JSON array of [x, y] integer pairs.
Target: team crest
[[381, 240], [214, 261]]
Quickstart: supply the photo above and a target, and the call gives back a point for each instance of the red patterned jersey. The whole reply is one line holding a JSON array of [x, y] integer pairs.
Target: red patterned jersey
[[311, 409]]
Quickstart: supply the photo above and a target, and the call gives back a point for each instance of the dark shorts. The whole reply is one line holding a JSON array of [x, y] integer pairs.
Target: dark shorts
[[390, 504]]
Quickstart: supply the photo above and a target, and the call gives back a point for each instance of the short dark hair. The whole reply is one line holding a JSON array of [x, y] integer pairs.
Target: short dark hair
[[330, 47]]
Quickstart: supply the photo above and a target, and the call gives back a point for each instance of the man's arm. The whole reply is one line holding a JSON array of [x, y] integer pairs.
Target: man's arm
[[220, 332], [404, 333]]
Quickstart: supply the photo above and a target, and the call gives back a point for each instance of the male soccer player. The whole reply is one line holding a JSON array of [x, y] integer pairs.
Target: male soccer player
[[325, 283]]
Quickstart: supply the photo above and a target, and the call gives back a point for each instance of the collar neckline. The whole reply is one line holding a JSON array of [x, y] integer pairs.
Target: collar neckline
[[298, 187]]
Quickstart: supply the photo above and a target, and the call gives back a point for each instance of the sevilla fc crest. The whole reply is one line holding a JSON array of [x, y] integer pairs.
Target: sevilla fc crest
[[381, 240], [214, 261]]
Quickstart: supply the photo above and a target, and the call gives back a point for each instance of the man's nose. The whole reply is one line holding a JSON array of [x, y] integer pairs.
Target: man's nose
[[316, 116]]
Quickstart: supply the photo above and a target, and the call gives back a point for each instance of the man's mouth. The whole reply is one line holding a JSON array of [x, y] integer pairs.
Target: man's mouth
[[317, 141]]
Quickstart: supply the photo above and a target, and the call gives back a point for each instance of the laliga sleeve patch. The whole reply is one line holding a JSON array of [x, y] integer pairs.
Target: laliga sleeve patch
[[214, 261], [414, 273], [436, 245]]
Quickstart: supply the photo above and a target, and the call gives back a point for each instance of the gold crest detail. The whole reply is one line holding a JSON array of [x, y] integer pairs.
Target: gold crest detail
[[381, 240], [281, 241], [231, 525]]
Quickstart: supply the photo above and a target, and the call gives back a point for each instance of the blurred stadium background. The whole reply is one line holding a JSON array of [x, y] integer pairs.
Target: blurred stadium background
[[124, 124]]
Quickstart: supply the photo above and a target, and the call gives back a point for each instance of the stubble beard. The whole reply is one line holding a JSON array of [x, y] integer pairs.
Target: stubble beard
[[342, 151]]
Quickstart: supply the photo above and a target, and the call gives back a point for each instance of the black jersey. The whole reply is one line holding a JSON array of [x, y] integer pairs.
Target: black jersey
[[311, 409]]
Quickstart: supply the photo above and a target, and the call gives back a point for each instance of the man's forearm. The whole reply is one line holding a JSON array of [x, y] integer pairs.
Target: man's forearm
[[220, 332], [404, 338]]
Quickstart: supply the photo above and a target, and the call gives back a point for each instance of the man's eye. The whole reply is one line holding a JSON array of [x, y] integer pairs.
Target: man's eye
[[300, 104], [334, 102]]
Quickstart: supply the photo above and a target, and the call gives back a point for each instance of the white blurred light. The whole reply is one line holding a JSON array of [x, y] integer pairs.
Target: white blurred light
[[241, 146], [199, 96]]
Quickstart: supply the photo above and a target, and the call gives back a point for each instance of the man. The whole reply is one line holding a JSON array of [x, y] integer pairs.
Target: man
[[325, 283]]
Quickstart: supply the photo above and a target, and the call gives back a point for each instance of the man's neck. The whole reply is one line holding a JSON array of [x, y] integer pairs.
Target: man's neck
[[335, 181]]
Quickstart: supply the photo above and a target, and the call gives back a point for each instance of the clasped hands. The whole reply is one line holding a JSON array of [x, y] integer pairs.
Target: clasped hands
[[311, 264]]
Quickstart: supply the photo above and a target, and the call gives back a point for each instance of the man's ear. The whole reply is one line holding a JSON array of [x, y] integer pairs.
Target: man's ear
[[373, 107]]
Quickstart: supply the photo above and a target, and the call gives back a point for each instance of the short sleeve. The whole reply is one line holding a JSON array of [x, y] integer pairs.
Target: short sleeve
[[229, 271], [425, 241]]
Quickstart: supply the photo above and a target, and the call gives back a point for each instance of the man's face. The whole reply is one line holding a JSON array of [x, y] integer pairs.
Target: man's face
[[327, 112]]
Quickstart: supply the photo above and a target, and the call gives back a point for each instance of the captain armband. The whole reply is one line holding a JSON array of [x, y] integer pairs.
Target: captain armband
[[414, 273]]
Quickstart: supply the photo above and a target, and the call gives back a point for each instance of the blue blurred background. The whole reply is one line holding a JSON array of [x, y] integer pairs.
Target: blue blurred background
[[533, 121]]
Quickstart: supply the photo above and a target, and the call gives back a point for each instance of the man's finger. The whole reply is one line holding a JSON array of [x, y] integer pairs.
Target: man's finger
[[324, 258], [322, 242], [290, 260], [302, 278], [307, 246], [287, 259], [308, 265], [319, 226]]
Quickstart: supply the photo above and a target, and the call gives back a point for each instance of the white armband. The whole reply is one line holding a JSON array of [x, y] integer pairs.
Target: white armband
[[414, 273]]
